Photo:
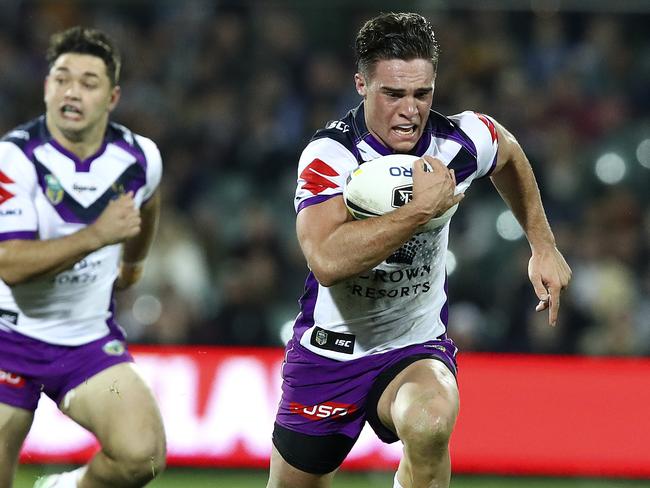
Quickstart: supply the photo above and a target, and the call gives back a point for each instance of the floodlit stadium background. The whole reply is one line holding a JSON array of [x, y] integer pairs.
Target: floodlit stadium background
[[232, 91]]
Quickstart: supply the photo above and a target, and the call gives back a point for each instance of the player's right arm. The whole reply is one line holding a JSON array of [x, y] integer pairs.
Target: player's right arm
[[22, 260], [337, 247]]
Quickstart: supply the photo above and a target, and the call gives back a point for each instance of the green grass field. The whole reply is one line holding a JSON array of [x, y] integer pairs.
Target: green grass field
[[204, 478]]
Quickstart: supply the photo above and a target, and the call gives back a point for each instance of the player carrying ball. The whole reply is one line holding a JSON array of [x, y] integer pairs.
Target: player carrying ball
[[370, 342]]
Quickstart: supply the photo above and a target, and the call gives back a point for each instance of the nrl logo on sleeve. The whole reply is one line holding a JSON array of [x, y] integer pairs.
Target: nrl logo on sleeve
[[53, 190], [114, 348]]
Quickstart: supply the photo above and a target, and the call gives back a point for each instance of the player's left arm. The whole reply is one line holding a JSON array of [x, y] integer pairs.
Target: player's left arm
[[513, 177], [135, 249]]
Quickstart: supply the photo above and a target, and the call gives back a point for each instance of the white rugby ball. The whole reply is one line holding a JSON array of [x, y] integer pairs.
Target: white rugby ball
[[384, 184]]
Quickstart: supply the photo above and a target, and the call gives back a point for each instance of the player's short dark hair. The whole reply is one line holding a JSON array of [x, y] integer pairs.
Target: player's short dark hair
[[84, 40], [391, 35]]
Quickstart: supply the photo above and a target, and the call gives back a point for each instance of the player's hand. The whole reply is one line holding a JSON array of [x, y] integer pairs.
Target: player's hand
[[130, 274], [434, 190], [550, 274], [119, 221]]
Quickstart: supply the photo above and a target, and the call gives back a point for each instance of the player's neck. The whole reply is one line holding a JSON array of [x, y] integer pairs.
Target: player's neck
[[81, 144]]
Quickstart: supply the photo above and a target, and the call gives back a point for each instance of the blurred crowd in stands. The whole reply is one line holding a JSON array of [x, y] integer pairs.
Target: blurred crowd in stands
[[232, 91]]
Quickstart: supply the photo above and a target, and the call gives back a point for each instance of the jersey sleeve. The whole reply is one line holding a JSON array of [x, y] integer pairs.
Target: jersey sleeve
[[154, 166], [18, 218], [481, 130], [323, 170]]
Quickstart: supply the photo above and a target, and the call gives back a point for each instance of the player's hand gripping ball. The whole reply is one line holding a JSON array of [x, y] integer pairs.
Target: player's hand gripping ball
[[384, 184]]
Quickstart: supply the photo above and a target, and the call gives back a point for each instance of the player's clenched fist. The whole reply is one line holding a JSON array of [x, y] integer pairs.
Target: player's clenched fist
[[120, 220], [434, 189]]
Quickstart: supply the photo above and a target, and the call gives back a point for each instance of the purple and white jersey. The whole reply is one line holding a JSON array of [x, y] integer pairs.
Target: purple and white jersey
[[403, 300], [46, 192]]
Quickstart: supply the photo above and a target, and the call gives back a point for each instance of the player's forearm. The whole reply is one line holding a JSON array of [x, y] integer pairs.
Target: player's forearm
[[517, 186], [136, 248], [360, 245], [23, 260]]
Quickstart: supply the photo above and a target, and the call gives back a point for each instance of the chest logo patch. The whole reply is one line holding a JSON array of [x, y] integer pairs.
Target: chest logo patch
[[53, 190]]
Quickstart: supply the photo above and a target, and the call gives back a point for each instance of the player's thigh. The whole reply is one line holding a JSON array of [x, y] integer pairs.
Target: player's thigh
[[426, 389], [284, 475], [119, 408], [14, 426]]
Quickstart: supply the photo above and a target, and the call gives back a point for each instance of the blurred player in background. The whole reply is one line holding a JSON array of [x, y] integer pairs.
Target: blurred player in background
[[78, 212], [370, 341]]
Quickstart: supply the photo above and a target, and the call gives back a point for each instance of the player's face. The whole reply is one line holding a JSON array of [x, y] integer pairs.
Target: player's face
[[79, 96], [398, 98]]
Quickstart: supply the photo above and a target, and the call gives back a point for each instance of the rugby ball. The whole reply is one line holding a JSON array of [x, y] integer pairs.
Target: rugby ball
[[384, 184]]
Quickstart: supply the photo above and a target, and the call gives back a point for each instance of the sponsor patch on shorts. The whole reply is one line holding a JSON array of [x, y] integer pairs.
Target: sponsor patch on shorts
[[322, 410], [442, 348], [11, 379], [9, 316], [332, 341], [114, 348]]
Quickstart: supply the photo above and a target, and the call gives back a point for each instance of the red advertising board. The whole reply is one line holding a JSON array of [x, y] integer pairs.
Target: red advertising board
[[520, 414]]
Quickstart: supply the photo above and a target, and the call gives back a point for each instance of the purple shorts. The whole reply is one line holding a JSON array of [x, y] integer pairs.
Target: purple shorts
[[29, 366], [322, 396]]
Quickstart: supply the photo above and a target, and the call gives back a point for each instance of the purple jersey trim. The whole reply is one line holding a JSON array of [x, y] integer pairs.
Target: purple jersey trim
[[494, 163], [113, 326], [81, 166], [376, 145], [61, 208], [456, 134], [30, 147], [465, 162], [418, 150], [28, 235], [423, 144], [136, 152], [136, 183], [307, 301], [444, 312], [308, 202]]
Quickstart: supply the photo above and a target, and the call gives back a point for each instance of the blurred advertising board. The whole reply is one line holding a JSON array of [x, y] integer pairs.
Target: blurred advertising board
[[520, 414]]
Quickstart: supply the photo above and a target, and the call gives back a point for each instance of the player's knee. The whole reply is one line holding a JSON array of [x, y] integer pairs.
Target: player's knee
[[425, 428], [142, 461]]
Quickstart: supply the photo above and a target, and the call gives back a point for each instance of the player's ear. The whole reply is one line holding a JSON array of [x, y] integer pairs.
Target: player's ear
[[360, 84], [116, 92]]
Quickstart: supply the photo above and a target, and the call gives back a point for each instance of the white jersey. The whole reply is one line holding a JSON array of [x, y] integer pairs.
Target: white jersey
[[46, 192], [403, 300]]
